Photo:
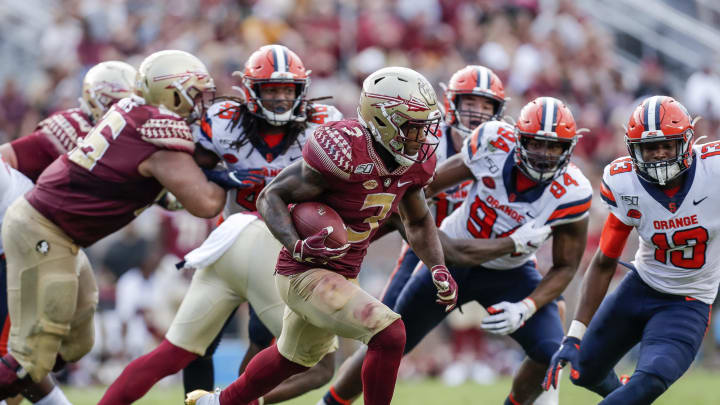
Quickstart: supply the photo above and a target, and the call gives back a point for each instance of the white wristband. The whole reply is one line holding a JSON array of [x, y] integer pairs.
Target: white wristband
[[261, 401], [530, 303], [577, 329]]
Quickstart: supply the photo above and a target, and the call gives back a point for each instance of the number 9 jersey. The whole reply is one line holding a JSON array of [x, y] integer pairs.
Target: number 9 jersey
[[495, 209], [678, 253]]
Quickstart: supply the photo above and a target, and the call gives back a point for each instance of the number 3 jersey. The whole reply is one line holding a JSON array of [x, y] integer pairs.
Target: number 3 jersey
[[359, 187], [494, 208], [678, 253], [219, 135]]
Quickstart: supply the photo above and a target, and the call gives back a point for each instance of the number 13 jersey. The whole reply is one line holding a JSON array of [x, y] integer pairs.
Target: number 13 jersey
[[495, 209], [678, 253]]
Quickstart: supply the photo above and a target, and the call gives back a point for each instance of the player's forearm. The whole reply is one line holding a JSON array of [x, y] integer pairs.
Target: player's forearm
[[277, 217], [422, 235], [552, 285], [473, 252], [595, 286]]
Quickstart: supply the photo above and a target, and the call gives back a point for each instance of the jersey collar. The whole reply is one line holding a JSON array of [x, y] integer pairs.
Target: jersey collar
[[509, 173], [676, 200]]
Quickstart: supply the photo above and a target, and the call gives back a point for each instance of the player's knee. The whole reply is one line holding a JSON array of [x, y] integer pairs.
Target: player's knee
[[666, 367], [58, 300], [82, 337], [543, 350], [652, 385], [391, 338]]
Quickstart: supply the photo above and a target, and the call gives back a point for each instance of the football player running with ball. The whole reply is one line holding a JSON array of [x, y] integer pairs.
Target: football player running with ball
[[365, 169], [665, 190], [255, 138], [141, 146]]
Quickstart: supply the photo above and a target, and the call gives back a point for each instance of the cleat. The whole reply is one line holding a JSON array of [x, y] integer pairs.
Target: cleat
[[202, 397]]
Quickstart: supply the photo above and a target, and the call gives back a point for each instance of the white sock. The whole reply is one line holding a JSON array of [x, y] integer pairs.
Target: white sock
[[551, 396], [55, 397]]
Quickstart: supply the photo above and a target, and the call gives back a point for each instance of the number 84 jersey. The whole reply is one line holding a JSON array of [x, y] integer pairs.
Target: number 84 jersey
[[679, 252], [495, 209]]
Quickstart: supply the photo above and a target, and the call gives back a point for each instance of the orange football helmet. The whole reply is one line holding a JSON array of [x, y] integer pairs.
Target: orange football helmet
[[660, 118], [275, 64], [472, 80], [545, 119]]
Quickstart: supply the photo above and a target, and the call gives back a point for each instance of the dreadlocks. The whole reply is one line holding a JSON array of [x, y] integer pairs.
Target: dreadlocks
[[251, 126]]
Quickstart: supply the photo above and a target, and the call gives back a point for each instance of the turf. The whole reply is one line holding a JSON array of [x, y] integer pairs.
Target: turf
[[698, 387]]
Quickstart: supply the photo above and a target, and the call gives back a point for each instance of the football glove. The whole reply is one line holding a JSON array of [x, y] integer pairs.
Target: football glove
[[567, 353], [236, 178], [528, 238], [446, 287], [507, 317], [314, 250]]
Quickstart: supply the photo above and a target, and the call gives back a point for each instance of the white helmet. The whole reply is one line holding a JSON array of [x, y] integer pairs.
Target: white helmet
[[176, 80], [104, 85]]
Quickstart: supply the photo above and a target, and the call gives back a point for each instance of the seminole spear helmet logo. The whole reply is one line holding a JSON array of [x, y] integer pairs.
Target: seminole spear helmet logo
[[427, 93]]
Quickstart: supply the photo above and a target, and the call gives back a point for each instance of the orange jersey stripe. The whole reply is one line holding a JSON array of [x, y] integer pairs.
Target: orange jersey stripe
[[605, 191], [4, 336], [474, 141], [614, 236], [576, 209]]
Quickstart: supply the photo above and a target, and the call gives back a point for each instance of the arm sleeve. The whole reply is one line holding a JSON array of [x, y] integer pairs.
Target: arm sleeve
[[34, 153], [614, 236]]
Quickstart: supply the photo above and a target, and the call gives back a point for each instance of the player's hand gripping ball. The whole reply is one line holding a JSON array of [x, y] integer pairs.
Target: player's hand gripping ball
[[323, 233]]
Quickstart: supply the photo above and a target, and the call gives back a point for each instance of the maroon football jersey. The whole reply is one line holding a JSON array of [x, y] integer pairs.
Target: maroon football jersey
[[360, 188], [96, 188], [53, 136]]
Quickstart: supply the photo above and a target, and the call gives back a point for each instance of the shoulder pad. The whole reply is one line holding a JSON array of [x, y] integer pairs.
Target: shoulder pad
[[66, 127], [167, 132], [618, 170], [490, 137], [330, 147], [321, 114]]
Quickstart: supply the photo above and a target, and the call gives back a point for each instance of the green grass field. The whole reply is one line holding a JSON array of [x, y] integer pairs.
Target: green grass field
[[698, 387]]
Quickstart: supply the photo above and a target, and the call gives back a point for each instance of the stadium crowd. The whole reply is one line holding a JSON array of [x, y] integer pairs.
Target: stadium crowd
[[537, 48]]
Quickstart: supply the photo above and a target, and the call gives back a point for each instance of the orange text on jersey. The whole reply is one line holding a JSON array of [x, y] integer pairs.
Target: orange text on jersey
[[676, 223], [504, 208]]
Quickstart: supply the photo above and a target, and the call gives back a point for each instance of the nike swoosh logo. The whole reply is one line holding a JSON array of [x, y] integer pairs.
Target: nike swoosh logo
[[531, 216], [701, 200], [292, 159], [234, 178], [405, 183]]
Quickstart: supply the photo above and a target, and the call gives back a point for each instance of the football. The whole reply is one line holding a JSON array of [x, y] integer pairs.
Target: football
[[310, 218]]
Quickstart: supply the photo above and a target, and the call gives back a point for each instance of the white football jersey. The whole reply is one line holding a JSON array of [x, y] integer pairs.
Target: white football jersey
[[13, 184], [494, 208], [215, 133], [678, 252], [446, 202]]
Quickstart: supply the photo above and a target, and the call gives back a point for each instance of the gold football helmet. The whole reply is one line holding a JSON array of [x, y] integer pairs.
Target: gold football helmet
[[176, 80], [104, 85], [395, 102]]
